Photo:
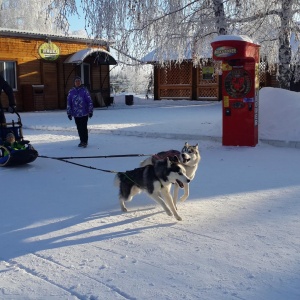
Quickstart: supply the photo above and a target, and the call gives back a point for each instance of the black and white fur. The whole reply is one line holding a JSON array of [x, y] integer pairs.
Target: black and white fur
[[156, 180], [189, 158]]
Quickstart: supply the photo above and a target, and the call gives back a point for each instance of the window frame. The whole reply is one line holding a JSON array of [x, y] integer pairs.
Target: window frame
[[85, 73], [4, 72]]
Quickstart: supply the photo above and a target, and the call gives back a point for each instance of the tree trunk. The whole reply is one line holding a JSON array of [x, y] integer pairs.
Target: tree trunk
[[285, 53], [220, 17]]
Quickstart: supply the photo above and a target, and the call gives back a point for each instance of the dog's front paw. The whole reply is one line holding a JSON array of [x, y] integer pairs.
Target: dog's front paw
[[178, 218], [169, 213], [124, 209]]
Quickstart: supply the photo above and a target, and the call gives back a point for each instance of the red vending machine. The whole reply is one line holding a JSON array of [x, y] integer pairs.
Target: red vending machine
[[240, 88]]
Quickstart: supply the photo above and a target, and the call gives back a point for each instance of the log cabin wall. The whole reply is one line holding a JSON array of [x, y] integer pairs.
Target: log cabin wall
[[184, 81], [175, 82], [42, 84]]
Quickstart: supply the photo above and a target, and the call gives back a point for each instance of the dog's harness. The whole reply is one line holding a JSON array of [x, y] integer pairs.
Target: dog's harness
[[163, 155]]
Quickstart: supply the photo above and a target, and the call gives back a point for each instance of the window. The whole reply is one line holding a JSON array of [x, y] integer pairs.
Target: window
[[84, 73], [83, 70], [8, 71]]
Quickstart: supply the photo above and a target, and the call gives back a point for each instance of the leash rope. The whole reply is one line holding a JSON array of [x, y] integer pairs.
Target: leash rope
[[77, 164], [124, 173], [99, 156], [65, 159], [84, 166], [93, 168]]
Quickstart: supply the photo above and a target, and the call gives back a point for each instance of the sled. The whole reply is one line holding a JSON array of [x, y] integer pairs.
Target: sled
[[15, 157]]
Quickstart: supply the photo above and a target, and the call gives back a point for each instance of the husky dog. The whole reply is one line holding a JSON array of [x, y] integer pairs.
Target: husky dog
[[156, 180], [189, 158]]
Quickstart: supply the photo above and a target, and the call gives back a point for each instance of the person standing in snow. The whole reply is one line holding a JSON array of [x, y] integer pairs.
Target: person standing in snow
[[80, 106], [11, 99]]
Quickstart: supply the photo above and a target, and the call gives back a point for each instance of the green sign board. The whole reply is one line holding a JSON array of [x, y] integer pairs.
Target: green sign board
[[49, 51], [207, 73]]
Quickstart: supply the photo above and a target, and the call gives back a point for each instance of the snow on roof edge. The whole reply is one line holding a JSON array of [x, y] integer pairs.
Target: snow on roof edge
[[20, 33], [230, 37]]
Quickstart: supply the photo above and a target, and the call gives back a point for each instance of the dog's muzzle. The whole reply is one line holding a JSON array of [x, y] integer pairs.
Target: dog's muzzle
[[184, 158]]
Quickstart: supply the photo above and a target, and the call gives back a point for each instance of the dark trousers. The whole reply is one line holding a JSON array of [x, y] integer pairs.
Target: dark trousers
[[2, 116], [81, 123]]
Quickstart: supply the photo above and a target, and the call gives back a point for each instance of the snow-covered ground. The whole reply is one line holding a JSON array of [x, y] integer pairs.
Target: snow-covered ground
[[63, 235]]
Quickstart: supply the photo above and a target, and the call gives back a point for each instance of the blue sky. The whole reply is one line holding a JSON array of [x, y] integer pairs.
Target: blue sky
[[77, 23]]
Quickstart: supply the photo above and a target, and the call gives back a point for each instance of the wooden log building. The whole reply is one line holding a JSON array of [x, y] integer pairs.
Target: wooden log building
[[186, 81], [41, 68]]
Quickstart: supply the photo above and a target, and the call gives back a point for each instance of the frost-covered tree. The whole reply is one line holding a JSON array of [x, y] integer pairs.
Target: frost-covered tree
[[175, 27], [171, 26], [220, 17], [275, 25], [131, 79], [31, 15], [284, 40]]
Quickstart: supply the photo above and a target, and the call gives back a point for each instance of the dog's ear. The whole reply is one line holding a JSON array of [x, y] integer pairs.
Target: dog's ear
[[168, 162], [175, 159], [196, 146], [186, 144]]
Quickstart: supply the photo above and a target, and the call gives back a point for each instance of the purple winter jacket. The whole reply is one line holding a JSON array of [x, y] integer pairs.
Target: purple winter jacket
[[79, 102]]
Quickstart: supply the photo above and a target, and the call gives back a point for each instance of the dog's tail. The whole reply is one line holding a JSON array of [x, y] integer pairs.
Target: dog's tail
[[117, 180], [146, 162]]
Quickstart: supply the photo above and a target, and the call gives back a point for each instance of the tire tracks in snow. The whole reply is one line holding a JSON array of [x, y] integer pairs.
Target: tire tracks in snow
[[73, 278], [110, 287]]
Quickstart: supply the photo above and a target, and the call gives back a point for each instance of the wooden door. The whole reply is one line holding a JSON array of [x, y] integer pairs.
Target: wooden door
[[50, 81]]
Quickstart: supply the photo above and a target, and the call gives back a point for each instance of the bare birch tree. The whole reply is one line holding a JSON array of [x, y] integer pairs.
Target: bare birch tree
[[284, 39]]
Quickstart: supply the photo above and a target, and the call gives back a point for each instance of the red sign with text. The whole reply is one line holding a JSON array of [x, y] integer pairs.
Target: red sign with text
[[240, 88]]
